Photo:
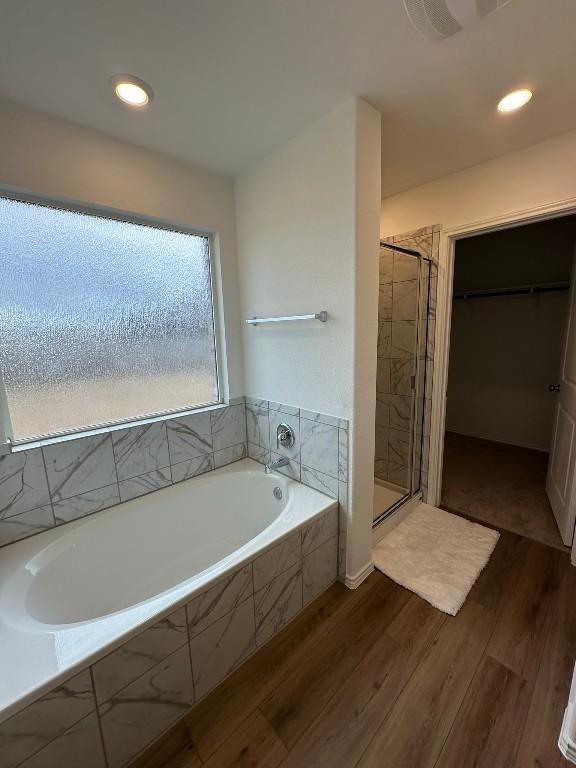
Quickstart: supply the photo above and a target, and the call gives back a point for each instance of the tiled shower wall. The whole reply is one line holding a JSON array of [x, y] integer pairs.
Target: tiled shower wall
[[397, 315], [391, 404]]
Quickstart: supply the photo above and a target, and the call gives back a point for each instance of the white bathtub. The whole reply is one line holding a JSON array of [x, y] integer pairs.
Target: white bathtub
[[70, 595]]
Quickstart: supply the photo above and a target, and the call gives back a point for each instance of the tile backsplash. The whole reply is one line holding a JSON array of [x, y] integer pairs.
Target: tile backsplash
[[319, 458], [58, 483], [55, 484]]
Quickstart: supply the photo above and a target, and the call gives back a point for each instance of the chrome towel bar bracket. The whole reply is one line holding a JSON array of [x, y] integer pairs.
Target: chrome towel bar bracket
[[322, 316]]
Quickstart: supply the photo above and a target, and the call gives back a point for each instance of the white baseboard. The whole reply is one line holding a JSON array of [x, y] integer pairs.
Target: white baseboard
[[499, 440], [353, 582], [566, 741]]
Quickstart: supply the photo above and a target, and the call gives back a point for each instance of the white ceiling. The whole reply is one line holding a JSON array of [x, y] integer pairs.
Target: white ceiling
[[235, 78]]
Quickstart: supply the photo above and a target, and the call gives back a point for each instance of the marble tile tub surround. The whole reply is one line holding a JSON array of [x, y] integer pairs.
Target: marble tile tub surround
[[318, 459], [56, 484], [104, 715], [61, 482]]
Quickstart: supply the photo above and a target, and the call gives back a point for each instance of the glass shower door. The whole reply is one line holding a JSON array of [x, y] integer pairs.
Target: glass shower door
[[401, 377]]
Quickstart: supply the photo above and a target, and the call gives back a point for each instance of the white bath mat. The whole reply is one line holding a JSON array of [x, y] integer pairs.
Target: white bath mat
[[436, 554]]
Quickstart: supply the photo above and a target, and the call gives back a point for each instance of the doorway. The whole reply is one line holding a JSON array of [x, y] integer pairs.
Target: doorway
[[510, 306], [404, 289]]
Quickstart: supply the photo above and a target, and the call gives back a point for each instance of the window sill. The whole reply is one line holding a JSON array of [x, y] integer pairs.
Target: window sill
[[27, 446]]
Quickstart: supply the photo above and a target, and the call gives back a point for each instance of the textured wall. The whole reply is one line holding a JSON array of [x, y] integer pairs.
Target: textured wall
[[295, 223]]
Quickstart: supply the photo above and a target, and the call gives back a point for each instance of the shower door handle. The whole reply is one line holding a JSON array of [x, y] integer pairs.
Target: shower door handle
[[553, 387]]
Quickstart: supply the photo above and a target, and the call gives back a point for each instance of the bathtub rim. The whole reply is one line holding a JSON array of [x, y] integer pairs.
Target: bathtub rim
[[32, 693]]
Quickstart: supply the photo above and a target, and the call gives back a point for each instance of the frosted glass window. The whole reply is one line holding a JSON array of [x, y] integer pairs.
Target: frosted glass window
[[101, 320]]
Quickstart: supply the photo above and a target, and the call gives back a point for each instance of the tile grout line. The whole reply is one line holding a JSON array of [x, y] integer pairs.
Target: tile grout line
[[189, 644], [51, 501], [285, 570], [137, 678], [246, 430], [36, 752], [254, 603], [98, 720], [115, 466], [165, 425], [317, 547]]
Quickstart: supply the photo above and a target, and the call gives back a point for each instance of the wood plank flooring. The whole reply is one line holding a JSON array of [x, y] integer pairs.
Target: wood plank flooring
[[377, 677]]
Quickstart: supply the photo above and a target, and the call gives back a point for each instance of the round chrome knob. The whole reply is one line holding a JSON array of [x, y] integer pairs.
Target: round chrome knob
[[285, 436]]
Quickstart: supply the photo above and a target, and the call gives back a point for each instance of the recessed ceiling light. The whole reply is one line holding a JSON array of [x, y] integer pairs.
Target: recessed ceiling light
[[131, 90], [513, 101]]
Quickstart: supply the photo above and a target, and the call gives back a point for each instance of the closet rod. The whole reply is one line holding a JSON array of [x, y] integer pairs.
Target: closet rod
[[517, 290]]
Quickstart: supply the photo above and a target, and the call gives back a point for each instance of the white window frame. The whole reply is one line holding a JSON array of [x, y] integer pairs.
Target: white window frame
[[7, 442]]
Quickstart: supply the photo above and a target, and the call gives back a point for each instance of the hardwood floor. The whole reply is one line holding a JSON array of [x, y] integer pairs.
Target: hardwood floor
[[499, 484], [377, 677]]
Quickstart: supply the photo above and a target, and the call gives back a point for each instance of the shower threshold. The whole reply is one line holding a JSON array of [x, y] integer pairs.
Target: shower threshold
[[386, 495]]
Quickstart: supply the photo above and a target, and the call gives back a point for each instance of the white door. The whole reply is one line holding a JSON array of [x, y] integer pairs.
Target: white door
[[560, 485]]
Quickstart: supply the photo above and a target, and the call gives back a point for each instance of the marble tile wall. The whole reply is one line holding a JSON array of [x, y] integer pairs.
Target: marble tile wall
[[394, 368], [61, 482], [318, 459], [105, 715], [45, 727]]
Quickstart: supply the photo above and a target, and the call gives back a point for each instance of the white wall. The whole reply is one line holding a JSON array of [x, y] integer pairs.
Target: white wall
[[307, 222], [538, 175], [296, 246], [504, 352], [55, 158]]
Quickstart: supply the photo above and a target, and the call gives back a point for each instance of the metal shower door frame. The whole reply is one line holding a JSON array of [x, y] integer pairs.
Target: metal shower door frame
[[414, 488]]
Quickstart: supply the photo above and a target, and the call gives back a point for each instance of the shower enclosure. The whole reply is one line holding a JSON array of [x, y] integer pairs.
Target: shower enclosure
[[401, 377]]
